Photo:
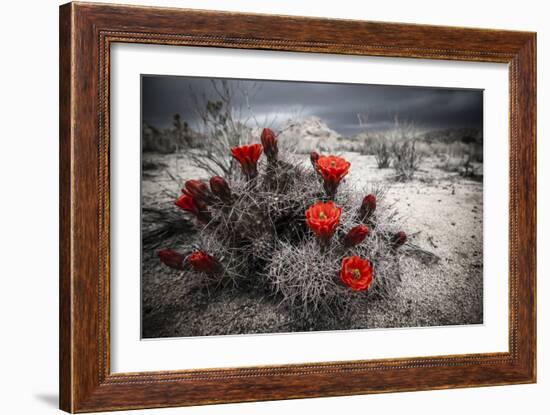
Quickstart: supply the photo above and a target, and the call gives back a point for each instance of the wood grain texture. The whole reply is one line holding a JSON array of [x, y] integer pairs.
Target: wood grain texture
[[86, 33], [65, 248]]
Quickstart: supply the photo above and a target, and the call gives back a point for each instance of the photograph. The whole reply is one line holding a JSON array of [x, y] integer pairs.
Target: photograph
[[271, 206], [280, 206]]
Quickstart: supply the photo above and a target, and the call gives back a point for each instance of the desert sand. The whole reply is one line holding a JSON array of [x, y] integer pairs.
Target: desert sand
[[441, 211]]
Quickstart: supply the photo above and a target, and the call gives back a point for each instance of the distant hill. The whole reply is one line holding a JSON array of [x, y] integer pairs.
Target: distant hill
[[169, 140], [449, 135], [312, 134]]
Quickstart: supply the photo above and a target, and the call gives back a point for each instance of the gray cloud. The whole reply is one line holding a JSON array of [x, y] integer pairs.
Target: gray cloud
[[336, 104]]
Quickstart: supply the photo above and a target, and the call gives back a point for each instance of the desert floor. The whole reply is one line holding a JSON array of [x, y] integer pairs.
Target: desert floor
[[443, 211]]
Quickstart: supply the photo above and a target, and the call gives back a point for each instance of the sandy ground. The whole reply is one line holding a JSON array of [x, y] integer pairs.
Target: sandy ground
[[443, 209]]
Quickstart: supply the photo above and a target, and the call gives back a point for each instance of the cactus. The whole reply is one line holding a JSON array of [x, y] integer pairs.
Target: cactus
[[299, 232]]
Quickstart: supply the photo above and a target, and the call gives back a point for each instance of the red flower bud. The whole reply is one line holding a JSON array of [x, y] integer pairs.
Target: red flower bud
[[171, 258], [248, 157], [368, 206], [314, 156], [195, 207], [198, 191], [189, 204], [269, 142], [399, 239], [203, 262], [323, 219], [356, 235], [220, 188], [356, 273], [332, 169]]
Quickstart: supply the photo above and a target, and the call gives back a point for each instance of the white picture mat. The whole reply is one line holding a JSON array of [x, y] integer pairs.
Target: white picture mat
[[130, 354]]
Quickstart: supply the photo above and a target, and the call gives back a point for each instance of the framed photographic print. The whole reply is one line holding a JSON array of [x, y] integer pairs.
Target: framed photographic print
[[260, 207]]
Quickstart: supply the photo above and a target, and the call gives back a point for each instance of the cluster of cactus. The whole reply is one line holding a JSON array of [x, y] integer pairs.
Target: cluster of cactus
[[298, 232]]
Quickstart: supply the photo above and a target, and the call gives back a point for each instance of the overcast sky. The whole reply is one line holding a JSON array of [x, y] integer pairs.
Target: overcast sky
[[274, 102]]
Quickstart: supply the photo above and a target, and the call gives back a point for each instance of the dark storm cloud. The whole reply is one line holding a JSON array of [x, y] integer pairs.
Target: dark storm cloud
[[336, 104]]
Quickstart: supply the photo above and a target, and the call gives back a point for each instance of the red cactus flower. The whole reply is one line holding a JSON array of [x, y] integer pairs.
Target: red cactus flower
[[333, 169], [171, 258], [399, 239], [323, 219], [189, 204], [203, 262], [356, 273], [198, 191], [356, 235], [248, 157], [368, 206], [193, 206], [269, 142], [314, 156], [220, 188]]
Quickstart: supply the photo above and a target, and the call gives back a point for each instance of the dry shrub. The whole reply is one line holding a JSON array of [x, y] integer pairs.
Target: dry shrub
[[171, 139], [378, 145], [406, 159], [463, 165], [382, 154]]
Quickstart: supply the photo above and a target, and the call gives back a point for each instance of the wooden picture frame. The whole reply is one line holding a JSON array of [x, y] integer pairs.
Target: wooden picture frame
[[86, 33]]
